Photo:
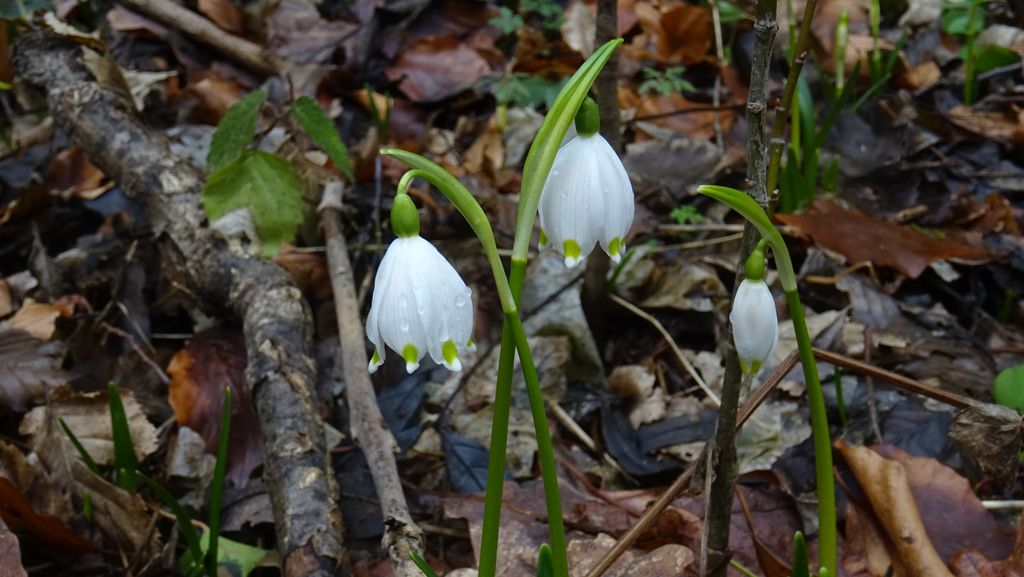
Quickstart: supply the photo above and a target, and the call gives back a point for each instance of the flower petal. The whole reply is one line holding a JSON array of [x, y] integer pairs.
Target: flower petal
[[755, 324]]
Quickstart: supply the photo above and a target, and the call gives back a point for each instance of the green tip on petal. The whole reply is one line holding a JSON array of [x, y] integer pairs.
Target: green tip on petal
[[470, 345], [375, 362], [451, 356], [543, 242], [412, 358], [588, 118], [572, 252], [405, 220], [615, 249], [750, 368]]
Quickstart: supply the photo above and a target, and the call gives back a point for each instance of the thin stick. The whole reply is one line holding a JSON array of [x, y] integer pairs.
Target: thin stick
[[681, 482], [369, 431], [716, 19], [671, 343], [234, 47]]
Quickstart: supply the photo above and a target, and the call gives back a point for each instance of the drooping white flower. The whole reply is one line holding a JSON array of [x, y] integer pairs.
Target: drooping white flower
[[587, 198], [755, 324], [420, 304]]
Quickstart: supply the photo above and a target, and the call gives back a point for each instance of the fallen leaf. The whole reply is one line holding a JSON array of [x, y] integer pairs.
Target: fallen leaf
[[212, 361], [72, 174], [224, 14], [676, 113], [88, 417], [887, 489], [296, 31], [29, 368], [213, 96], [990, 435], [44, 530], [10, 554], [6, 304], [860, 238], [37, 319], [436, 67], [972, 563], [123, 20], [680, 34], [1002, 126], [866, 550]]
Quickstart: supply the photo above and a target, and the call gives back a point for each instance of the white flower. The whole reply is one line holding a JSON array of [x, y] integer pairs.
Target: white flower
[[755, 324], [420, 305], [587, 199]]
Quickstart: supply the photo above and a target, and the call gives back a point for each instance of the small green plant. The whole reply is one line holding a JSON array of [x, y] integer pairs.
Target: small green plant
[[686, 214], [966, 19], [507, 21], [549, 11], [1008, 388], [665, 82], [520, 89], [202, 552]]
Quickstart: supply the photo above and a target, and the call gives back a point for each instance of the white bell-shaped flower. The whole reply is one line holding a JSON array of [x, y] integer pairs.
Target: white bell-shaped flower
[[420, 304], [587, 198], [755, 322]]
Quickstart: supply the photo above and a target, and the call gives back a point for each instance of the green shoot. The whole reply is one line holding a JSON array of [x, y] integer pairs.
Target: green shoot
[[686, 213], [125, 463], [837, 378], [665, 82], [185, 525], [86, 458], [507, 21], [800, 567], [217, 484], [422, 564]]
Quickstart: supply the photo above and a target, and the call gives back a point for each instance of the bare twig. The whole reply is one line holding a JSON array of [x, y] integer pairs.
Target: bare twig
[[369, 431], [683, 480], [234, 47], [276, 321]]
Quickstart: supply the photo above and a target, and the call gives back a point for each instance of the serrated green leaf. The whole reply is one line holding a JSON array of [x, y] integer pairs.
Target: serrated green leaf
[[235, 130], [266, 185], [320, 128], [1008, 388], [233, 558]]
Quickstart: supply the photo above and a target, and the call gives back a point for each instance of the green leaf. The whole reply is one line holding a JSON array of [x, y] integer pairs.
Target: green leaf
[[800, 556], [729, 13], [991, 56], [266, 185], [125, 464], [235, 130], [188, 530], [233, 558], [321, 129], [506, 21], [1008, 388]]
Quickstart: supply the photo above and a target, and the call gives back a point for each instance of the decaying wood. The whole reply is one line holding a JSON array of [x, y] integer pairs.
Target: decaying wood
[[369, 431], [280, 373], [202, 30]]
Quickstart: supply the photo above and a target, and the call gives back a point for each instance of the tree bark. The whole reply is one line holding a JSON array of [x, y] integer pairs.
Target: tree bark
[[280, 374]]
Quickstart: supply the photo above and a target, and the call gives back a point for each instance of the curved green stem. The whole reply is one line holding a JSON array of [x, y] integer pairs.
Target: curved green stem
[[746, 206]]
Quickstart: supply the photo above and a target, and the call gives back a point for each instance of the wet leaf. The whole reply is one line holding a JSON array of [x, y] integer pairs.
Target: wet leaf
[[401, 405], [436, 67], [860, 238], [29, 368], [212, 361], [466, 461]]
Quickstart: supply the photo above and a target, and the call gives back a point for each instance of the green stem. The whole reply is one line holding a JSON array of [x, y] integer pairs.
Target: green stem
[[496, 460], [969, 84], [545, 449], [827, 545]]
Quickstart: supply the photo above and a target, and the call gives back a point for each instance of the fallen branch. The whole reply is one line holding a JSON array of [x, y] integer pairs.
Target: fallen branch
[[202, 30], [369, 431], [280, 373]]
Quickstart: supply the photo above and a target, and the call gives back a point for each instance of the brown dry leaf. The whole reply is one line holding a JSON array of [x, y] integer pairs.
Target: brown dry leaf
[[224, 14], [123, 20], [6, 304], [679, 33], [436, 67], [887, 489], [538, 55], [487, 153], [924, 75], [296, 31], [88, 417], [942, 496], [45, 530], [37, 319], [866, 551], [10, 554], [860, 238], [29, 367], [990, 435], [1004, 127], [972, 563], [213, 96], [71, 173], [43, 494], [212, 361], [657, 109]]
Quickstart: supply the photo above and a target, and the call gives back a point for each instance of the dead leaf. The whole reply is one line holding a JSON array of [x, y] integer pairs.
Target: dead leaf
[[88, 417], [43, 493], [671, 112], [29, 368], [919, 77], [866, 550], [990, 436], [886, 486], [213, 96], [37, 319], [680, 34], [6, 304], [10, 554], [972, 563], [224, 14], [1002, 126], [72, 174], [487, 154], [45, 530], [123, 20], [579, 25], [860, 238], [296, 31], [212, 361], [436, 67]]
